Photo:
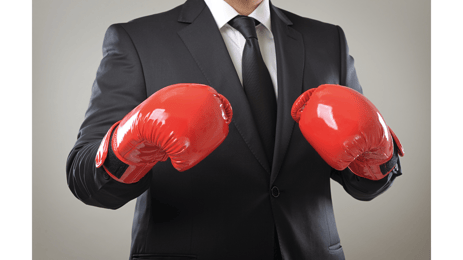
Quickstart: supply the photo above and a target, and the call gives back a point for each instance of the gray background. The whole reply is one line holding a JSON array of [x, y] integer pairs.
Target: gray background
[[390, 41]]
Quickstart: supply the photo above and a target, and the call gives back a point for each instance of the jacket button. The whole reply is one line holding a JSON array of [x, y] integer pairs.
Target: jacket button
[[275, 192]]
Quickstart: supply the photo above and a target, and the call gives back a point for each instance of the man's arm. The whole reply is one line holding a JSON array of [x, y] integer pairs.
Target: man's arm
[[118, 88], [358, 187], [362, 188]]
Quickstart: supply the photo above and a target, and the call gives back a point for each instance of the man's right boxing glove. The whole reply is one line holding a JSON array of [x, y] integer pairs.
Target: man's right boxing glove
[[185, 122], [347, 130]]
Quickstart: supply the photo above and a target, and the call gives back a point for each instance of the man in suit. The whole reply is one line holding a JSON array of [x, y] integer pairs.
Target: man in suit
[[239, 202]]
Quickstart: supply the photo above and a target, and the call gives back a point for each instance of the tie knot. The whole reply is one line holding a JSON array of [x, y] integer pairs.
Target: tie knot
[[245, 25]]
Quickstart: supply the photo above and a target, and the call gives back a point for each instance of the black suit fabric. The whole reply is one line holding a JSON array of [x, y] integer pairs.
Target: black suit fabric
[[222, 208]]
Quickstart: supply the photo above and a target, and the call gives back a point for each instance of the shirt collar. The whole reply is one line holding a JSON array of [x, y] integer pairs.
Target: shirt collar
[[223, 12]]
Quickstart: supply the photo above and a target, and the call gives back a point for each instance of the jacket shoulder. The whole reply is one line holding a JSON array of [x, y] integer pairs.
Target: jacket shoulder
[[305, 24], [171, 14], [153, 21]]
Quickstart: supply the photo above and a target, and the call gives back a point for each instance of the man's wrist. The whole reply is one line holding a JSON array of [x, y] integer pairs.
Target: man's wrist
[[392, 164], [112, 164]]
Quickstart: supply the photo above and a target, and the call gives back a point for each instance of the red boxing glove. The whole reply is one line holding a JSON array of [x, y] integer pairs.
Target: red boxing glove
[[346, 130], [185, 122]]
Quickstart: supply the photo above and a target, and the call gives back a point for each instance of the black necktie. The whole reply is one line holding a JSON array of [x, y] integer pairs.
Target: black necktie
[[257, 83], [259, 90]]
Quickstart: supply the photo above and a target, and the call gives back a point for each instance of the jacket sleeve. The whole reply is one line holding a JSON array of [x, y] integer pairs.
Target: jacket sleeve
[[118, 88], [358, 187]]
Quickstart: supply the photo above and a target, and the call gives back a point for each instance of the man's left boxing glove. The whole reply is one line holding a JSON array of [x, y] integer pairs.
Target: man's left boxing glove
[[184, 122], [347, 130]]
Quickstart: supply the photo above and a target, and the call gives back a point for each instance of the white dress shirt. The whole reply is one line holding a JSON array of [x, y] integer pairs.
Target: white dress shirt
[[235, 41]]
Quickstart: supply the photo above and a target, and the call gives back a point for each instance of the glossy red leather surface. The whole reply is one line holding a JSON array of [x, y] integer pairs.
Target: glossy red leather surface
[[345, 128], [185, 122]]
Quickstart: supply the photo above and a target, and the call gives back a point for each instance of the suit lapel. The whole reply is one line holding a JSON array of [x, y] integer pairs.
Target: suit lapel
[[206, 45], [290, 56]]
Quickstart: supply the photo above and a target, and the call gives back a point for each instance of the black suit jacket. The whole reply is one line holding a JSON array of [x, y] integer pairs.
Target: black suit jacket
[[225, 207]]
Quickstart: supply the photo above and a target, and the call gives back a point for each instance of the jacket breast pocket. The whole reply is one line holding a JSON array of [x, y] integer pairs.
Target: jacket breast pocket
[[163, 257], [335, 247], [336, 251]]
